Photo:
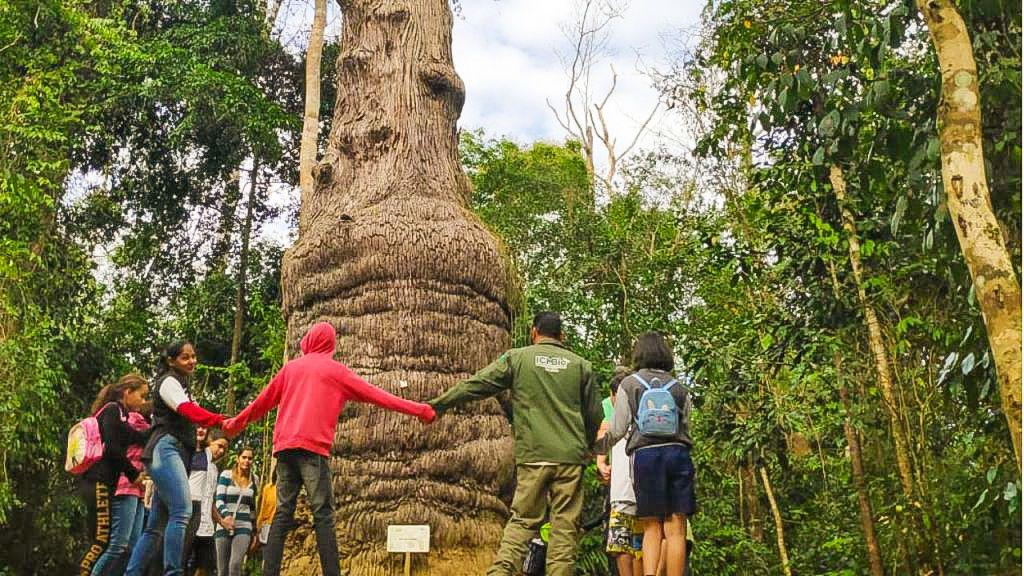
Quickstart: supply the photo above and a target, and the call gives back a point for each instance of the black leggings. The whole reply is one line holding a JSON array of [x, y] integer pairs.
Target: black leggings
[[97, 500]]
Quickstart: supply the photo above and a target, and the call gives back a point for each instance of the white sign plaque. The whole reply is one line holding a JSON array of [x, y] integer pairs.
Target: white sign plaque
[[409, 538]]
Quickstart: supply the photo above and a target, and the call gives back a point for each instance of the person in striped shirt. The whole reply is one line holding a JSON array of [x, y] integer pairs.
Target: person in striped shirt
[[236, 501]]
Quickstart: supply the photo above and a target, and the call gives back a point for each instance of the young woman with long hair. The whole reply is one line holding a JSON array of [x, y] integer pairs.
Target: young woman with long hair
[[111, 517], [166, 457], [236, 502]]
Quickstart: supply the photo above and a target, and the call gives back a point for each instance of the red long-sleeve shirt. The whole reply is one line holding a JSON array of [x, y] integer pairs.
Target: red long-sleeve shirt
[[311, 392]]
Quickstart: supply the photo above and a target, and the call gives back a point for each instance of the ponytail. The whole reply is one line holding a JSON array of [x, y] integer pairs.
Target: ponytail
[[115, 392]]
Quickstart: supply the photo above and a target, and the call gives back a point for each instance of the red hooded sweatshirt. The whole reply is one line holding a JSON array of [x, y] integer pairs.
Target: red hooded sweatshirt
[[311, 392]]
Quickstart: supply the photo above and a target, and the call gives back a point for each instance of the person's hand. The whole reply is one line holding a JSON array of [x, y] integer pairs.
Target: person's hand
[[228, 523], [428, 415], [231, 427], [140, 480], [604, 470]]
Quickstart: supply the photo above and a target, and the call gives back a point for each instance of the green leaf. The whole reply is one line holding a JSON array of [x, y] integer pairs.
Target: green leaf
[[767, 341], [784, 100], [981, 500], [819, 156], [829, 123], [968, 364], [991, 474], [880, 90], [897, 215], [762, 61], [1010, 491]]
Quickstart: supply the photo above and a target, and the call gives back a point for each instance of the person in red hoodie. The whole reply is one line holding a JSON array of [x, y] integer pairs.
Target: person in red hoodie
[[310, 393]]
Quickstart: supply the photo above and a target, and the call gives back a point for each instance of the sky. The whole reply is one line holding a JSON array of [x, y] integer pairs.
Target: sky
[[510, 55]]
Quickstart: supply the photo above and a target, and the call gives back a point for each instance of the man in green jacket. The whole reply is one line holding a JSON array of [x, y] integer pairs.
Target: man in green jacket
[[556, 411]]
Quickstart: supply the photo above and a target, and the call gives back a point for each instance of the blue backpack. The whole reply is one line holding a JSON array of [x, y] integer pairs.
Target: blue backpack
[[657, 415]]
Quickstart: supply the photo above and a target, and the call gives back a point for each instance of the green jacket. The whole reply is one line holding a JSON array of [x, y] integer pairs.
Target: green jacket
[[556, 408]]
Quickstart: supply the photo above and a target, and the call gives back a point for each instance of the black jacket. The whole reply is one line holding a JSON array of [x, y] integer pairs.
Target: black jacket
[[167, 421], [117, 435]]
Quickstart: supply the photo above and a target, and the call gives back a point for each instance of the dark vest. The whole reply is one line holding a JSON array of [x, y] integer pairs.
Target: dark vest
[[167, 421]]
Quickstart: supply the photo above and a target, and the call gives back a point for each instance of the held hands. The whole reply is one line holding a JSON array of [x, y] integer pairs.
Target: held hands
[[232, 427], [428, 414], [228, 523]]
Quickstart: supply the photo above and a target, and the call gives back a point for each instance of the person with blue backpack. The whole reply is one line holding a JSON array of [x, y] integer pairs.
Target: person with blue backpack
[[656, 427]]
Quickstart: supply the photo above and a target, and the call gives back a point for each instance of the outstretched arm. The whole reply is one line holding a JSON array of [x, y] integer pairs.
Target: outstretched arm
[[267, 399], [362, 391], [175, 397], [491, 380]]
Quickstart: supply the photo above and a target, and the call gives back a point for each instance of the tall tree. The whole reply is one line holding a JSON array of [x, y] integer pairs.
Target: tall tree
[[416, 286], [241, 276], [970, 207], [311, 115]]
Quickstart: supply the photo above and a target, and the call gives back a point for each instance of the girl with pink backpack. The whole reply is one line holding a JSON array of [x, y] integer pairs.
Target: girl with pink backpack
[[111, 411]]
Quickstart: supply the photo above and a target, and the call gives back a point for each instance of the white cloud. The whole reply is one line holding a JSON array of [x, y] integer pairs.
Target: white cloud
[[507, 52]]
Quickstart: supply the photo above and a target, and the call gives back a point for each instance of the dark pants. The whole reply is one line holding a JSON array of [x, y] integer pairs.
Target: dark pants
[[295, 469], [190, 533], [97, 498]]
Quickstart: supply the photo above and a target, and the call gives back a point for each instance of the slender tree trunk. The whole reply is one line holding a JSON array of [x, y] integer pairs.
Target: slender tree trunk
[[226, 224], [311, 116], [755, 524], [970, 207], [883, 371], [417, 288], [867, 518], [878, 352], [240, 284], [779, 533]]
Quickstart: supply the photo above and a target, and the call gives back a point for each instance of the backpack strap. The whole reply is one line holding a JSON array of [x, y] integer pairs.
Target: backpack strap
[[641, 380], [670, 384], [120, 413]]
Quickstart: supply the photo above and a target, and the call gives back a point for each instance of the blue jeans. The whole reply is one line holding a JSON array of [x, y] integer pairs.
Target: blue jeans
[[172, 507], [125, 521]]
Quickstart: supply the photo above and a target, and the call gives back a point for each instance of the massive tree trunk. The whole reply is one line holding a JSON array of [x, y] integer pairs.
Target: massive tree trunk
[[311, 115], [417, 288], [970, 207]]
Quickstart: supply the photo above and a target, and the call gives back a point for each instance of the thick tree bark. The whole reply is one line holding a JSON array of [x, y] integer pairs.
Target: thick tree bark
[[867, 518], [780, 536], [415, 285], [241, 279], [970, 207], [311, 115]]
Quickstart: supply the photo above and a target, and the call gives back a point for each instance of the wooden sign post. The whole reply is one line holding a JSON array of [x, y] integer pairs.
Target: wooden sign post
[[409, 539]]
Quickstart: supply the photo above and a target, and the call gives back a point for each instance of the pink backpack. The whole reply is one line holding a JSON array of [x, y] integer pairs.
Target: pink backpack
[[85, 445]]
